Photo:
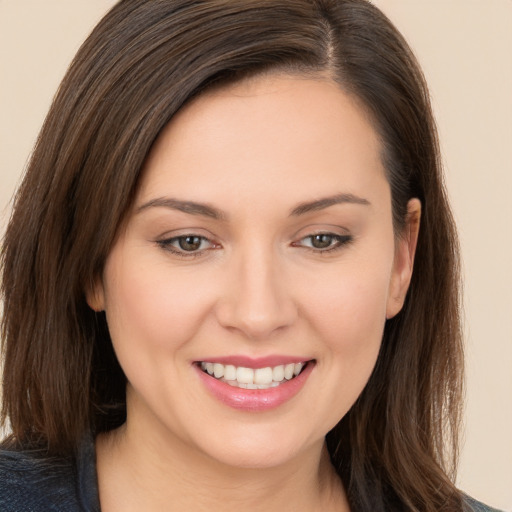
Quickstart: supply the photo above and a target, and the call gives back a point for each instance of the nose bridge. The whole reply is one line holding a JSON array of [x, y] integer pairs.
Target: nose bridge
[[259, 301]]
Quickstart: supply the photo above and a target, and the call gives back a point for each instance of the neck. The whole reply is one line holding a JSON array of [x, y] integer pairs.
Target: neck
[[141, 472]]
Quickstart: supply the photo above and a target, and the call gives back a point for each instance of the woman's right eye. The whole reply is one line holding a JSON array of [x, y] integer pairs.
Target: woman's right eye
[[186, 245]]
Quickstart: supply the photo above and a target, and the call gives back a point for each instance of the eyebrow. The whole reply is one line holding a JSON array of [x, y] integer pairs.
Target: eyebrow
[[320, 204], [193, 208], [189, 207]]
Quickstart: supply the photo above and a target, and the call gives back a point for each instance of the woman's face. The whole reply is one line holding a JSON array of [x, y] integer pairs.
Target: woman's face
[[261, 238]]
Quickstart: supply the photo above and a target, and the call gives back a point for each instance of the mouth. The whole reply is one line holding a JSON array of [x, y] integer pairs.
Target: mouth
[[253, 378]]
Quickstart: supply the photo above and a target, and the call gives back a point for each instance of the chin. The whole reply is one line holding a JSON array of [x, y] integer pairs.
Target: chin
[[261, 458], [261, 450]]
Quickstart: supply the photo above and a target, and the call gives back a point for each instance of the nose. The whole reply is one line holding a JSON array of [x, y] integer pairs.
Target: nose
[[257, 301]]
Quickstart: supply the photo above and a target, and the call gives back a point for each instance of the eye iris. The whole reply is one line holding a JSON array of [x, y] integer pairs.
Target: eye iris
[[189, 243], [321, 241]]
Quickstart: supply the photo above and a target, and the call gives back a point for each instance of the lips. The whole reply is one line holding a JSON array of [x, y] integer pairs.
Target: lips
[[254, 387]]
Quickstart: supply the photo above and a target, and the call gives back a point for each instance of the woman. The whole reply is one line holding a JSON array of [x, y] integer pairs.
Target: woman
[[232, 264]]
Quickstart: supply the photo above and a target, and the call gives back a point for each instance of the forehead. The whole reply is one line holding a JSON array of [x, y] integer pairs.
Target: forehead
[[263, 136]]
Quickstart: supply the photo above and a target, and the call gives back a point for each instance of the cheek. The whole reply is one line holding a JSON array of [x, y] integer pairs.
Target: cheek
[[149, 310], [350, 309], [348, 313], [152, 315]]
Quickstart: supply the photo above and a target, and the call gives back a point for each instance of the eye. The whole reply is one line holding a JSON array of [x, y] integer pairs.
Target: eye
[[186, 245], [190, 243], [324, 242]]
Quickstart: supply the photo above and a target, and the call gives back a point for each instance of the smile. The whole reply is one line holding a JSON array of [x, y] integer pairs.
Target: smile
[[263, 387], [249, 378]]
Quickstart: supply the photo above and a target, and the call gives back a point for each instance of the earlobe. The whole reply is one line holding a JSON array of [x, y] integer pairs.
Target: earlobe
[[95, 296], [404, 259]]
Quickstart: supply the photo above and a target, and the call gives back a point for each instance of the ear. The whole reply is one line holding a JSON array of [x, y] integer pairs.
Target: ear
[[404, 259], [95, 295]]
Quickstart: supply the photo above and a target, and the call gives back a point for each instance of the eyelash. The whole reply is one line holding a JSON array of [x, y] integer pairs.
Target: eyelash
[[337, 242], [182, 253]]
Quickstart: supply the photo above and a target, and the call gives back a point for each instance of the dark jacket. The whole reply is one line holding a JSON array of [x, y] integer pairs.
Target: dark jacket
[[32, 483]]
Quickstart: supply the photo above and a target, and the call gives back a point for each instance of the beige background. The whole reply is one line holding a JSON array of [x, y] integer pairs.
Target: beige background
[[465, 47]]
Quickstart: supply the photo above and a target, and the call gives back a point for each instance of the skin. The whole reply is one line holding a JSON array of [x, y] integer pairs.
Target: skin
[[254, 151]]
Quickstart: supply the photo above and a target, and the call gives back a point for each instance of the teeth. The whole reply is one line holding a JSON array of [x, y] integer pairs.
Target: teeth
[[288, 370], [278, 373], [244, 375], [230, 372], [248, 378], [218, 370], [263, 376]]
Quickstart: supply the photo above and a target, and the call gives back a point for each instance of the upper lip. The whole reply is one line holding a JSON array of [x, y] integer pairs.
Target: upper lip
[[255, 362]]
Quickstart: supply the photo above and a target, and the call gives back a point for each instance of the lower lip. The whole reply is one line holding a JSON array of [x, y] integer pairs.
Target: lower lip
[[255, 400]]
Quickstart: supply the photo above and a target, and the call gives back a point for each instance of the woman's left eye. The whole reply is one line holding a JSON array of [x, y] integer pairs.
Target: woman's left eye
[[186, 245], [324, 242]]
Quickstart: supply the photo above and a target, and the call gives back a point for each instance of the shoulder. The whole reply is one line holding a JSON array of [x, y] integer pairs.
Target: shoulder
[[30, 481], [472, 505]]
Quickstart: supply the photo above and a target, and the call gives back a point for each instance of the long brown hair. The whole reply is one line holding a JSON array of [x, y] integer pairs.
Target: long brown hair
[[397, 446]]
